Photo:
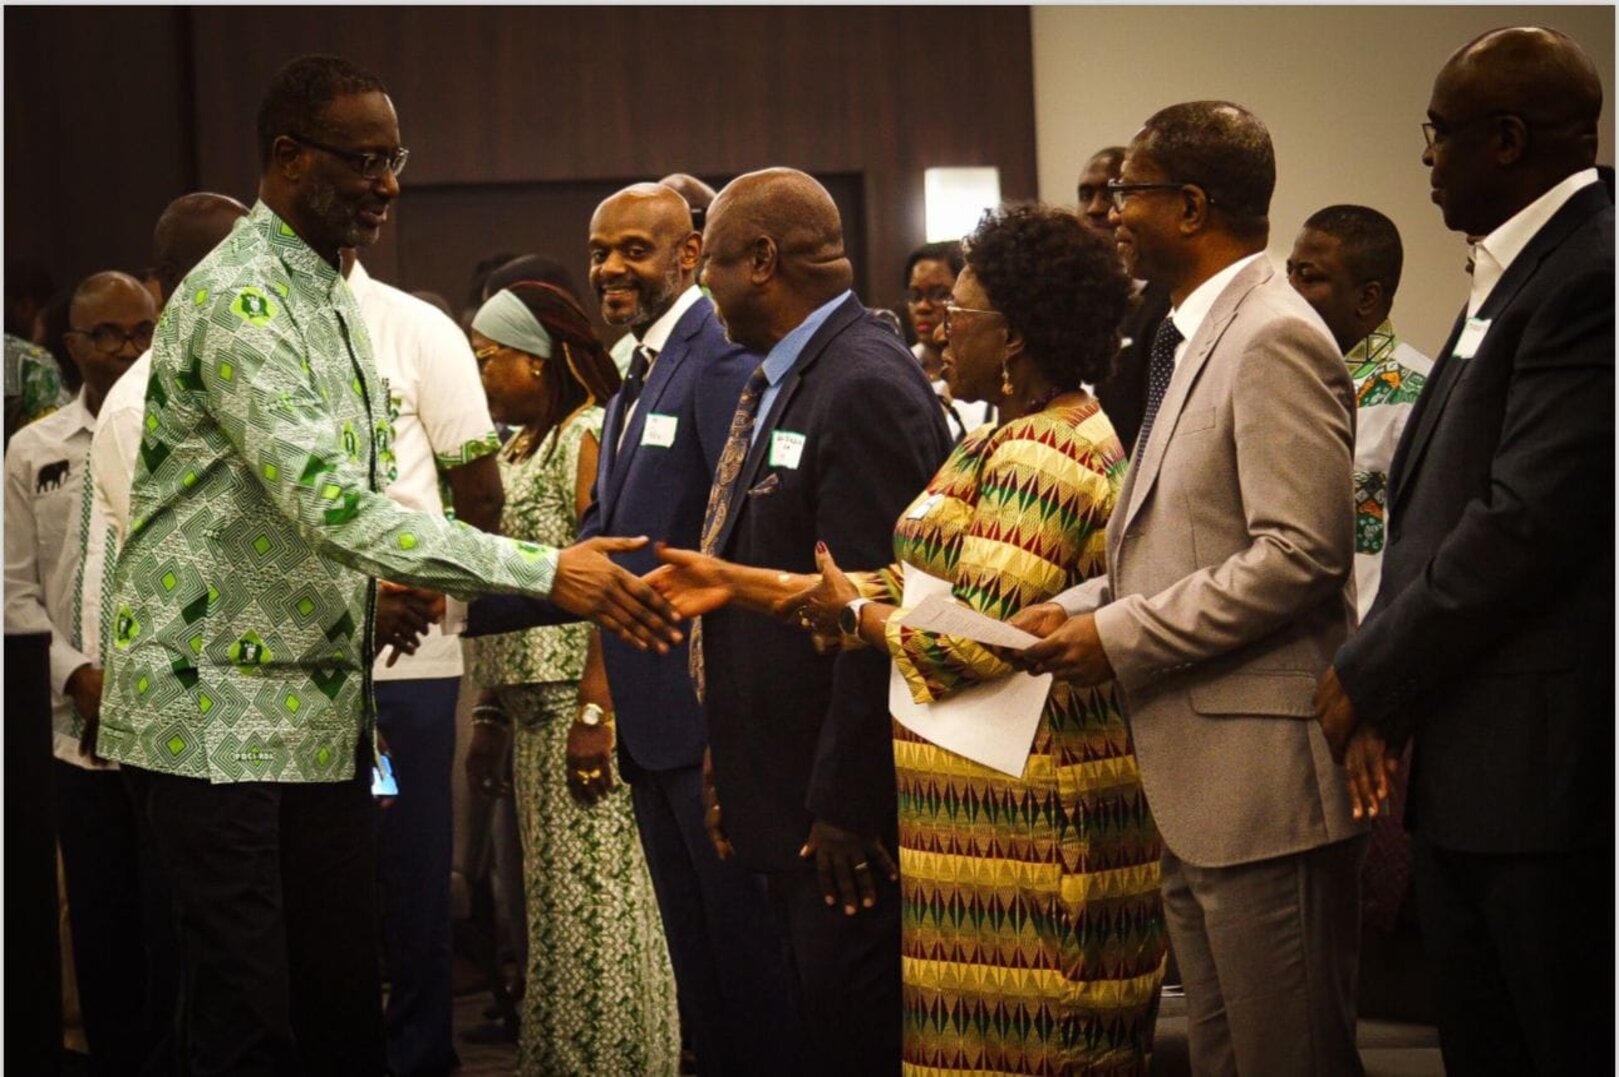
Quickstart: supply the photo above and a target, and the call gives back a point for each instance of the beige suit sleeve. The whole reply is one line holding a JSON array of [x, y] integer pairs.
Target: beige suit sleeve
[[1291, 404]]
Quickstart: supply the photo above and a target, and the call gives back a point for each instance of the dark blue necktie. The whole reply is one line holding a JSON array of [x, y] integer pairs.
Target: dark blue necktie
[[1160, 368]]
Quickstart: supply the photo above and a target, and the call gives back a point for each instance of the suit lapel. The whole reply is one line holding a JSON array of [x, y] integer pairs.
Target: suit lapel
[[674, 353], [1449, 370], [840, 319], [1144, 472]]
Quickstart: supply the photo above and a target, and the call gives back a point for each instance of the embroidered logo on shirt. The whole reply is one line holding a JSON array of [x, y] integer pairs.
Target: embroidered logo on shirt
[[52, 476]]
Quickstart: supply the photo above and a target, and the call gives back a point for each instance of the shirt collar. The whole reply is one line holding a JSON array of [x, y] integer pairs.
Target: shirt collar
[[358, 278], [1378, 343], [656, 336], [78, 412], [299, 257], [1510, 238], [788, 348], [1189, 316]]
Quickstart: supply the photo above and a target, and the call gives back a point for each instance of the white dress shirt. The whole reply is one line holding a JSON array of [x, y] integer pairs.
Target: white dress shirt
[[1189, 316], [55, 546], [117, 443], [440, 419], [656, 337], [1493, 254]]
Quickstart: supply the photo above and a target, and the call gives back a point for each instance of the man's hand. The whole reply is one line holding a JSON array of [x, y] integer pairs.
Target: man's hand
[[712, 820], [592, 586], [1072, 651], [1335, 712], [1040, 619], [404, 615], [844, 861], [590, 761], [84, 689], [1370, 766], [692, 582]]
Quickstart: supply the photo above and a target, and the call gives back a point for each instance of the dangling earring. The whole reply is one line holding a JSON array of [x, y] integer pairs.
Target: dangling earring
[[534, 369], [1006, 380]]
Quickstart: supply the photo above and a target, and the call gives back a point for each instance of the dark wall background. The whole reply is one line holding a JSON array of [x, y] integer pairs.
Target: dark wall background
[[518, 120]]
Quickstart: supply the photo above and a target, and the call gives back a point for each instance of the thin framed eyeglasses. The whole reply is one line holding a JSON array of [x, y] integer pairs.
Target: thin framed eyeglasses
[[1118, 192], [1435, 133], [952, 312], [486, 353], [109, 339], [369, 165]]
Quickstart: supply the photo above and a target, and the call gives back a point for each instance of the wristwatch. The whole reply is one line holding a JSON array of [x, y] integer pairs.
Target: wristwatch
[[849, 616], [591, 715]]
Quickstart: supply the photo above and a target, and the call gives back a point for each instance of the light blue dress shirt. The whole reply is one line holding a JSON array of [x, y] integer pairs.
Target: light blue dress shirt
[[786, 353]]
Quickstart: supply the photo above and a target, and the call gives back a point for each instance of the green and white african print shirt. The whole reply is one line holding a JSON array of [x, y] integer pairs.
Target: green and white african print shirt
[[33, 384], [243, 600], [1389, 375]]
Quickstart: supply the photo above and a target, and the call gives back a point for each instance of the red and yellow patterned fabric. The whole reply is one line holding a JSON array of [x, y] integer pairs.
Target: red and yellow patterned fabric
[[1033, 939]]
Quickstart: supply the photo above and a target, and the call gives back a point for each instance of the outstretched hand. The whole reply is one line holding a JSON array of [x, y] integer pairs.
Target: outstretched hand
[[590, 585], [817, 606], [693, 583]]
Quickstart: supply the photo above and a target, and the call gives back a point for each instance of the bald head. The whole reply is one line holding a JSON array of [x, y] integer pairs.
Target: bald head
[[190, 227], [796, 214], [643, 254], [1539, 75], [99, 290]]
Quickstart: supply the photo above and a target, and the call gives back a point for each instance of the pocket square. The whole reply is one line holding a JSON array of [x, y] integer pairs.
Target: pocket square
[[770, 484]]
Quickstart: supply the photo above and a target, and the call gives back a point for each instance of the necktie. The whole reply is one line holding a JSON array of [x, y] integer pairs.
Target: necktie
[[735, 453], [635, 380], [1160, 368]]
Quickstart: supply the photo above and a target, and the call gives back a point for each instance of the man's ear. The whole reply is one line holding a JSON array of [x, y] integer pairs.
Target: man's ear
[[1512, 140], [763, 259], [1194, 209], [691, 252], [1014, 344], [1368, 297], [287, 156]]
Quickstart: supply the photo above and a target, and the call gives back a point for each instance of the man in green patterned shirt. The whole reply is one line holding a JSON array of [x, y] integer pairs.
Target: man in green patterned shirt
[[239, 672]]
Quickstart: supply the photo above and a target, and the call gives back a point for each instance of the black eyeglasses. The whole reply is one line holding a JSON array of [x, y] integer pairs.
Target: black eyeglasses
[[369, 165], [110, 339], [1117, 192], [1436, 133], [938, 295]]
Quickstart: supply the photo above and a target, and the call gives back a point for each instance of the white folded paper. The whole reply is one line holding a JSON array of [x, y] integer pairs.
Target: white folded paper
[[993, 723]]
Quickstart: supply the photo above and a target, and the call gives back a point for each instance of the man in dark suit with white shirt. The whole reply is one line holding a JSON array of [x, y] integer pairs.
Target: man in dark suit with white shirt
[[835, 434], [1490, 644], [661, 441]]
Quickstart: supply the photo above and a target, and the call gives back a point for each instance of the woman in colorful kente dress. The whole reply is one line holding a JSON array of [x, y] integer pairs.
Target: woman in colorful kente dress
[[600, 997], [1033, 940]]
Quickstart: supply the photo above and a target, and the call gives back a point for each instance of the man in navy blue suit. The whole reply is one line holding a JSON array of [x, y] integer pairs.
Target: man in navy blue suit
[[1490, 645], [834, 435]]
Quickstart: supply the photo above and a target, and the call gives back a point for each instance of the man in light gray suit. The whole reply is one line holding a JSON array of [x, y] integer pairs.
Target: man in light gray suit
[[1228, 589]]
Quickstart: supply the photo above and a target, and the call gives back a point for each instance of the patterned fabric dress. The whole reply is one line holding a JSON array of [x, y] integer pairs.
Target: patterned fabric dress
[[600, 1000], [1033, 939]]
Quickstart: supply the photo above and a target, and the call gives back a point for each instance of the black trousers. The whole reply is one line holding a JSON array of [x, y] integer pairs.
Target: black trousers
[[276, 889], [95, 823], [729, 958], [847, 975], [1522, 949]]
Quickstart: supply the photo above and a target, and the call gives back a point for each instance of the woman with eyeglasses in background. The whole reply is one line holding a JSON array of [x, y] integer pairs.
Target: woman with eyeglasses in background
[[930, 273]]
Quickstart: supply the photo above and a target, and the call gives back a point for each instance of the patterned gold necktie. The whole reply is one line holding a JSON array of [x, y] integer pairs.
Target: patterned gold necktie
[[732, 457]]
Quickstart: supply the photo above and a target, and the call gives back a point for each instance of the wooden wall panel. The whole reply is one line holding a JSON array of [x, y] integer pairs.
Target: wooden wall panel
[[491, 98]]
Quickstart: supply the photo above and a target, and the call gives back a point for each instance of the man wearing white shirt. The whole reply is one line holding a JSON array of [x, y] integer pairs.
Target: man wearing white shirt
[[1229, 552], [1490, 646], [55, 557], [441, 430]]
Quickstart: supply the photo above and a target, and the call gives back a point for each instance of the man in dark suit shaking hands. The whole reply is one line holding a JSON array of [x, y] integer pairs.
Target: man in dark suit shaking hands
[[1490, 644], [836, 431]]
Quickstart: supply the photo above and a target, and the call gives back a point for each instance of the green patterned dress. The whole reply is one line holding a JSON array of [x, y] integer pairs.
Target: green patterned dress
[[600, 1000], [1033, 939]]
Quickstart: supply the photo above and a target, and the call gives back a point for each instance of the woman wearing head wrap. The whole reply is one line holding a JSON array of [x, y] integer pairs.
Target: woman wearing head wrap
[[600, 997]]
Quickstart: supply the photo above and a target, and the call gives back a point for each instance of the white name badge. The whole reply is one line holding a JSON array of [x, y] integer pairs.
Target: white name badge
[[1472, 336], [786, 449], [659, 430]]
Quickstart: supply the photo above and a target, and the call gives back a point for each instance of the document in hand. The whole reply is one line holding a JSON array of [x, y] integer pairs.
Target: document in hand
[[992, 723]]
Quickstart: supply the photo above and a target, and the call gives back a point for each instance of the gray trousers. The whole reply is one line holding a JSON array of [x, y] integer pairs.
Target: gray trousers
[[1268, 952]]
